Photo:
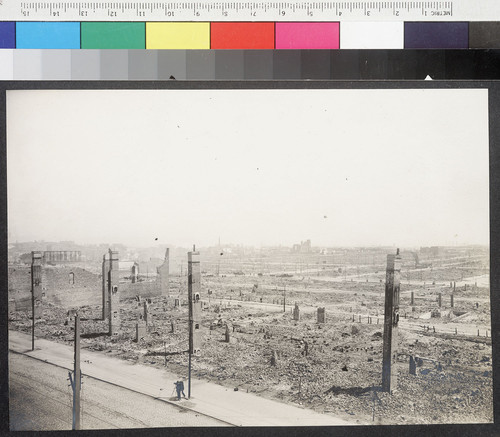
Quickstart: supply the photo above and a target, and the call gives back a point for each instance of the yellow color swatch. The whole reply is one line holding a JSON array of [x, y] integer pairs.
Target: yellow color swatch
[[182, 36]]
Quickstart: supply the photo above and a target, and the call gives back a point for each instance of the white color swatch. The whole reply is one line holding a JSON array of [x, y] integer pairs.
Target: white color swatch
[[6, 64], [375, 35]]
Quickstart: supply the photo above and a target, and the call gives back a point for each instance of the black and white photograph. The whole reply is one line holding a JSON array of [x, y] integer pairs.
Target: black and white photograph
[[220, 257]]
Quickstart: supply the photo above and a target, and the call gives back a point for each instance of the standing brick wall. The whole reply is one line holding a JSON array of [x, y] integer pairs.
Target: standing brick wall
[[143, 289], [19, 287], [58, 287]]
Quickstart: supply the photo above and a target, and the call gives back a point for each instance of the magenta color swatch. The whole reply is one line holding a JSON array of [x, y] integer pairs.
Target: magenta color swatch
[[307, 35]]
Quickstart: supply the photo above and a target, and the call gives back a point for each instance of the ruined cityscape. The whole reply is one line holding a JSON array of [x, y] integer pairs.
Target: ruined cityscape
[[248, 258], [374, 335]]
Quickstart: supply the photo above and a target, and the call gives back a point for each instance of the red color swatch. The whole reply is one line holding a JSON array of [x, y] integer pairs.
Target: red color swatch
[[242, 36]]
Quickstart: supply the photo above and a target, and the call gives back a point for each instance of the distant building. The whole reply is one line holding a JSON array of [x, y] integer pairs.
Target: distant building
[[61, 256], [303, 247], [128, 270]]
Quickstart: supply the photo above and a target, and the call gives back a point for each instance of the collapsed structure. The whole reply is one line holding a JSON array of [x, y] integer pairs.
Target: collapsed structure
[[258, 346], [164, 274], [194, 289], [113, 294], [391, 319], [321, 315], [105, 278], [36, 284]]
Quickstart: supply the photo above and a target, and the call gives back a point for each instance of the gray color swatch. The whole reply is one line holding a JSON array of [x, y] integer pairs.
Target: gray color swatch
[[258, 64], [171, 63], [373, 64], [200, 64], [27, 64], [484, 35], [56, 64], [287, 64], [85, 64], [344, 64], [114, 64], [143, 64], [315, 64], [229, 64]]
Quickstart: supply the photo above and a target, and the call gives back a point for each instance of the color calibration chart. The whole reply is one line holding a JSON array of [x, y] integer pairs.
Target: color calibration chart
[[44, 40]]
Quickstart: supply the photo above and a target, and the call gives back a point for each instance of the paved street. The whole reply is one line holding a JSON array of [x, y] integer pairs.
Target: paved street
[[40, 399]]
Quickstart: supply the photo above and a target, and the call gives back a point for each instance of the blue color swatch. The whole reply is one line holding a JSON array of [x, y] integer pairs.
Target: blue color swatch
[[45, 35], [7, 35]]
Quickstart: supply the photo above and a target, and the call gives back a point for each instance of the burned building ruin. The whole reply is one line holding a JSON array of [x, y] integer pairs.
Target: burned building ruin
[[391, 319]]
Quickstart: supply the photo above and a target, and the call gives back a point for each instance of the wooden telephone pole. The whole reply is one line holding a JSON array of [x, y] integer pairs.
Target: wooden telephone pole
[[190, 306], [32, 323], [284, 298], [76, 380], [36, 292]]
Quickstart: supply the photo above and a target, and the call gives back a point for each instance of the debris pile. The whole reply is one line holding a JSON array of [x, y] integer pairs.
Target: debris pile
[[252, 342]]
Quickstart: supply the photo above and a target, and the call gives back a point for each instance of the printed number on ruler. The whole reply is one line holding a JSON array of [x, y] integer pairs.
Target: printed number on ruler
[[209, 10]]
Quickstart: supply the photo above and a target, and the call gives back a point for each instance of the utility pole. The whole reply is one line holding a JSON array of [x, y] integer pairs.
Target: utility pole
[[284, 297], [76, 381], [193, 282], [165, 346], [190, 353], [345, 265], [36, 292], [218, 259], [33, 324]]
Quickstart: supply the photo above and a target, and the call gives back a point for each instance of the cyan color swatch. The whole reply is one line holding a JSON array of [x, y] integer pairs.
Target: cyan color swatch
[[45, 35]]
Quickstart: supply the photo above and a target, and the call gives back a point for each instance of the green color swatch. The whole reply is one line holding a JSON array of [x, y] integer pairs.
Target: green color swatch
[[113, 35]]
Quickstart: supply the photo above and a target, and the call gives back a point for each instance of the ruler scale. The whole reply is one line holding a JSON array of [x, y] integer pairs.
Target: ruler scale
[[447, 10]]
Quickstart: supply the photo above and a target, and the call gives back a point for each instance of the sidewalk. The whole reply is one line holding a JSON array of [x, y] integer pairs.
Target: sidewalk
[[235, 407]]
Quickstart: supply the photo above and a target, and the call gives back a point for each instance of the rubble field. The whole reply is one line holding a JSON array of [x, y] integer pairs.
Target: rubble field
[[333, 367]]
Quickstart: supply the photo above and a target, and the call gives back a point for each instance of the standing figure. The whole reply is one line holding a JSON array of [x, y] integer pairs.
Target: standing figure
[[182, 388], [179, 387]]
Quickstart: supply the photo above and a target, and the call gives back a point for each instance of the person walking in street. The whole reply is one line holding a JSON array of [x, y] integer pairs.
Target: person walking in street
[[179, 387]]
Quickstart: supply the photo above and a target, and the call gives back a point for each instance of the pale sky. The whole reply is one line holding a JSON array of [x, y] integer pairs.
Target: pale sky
[[257, 167]]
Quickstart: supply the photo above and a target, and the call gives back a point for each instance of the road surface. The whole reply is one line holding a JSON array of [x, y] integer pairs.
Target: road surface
[[40, 399]]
